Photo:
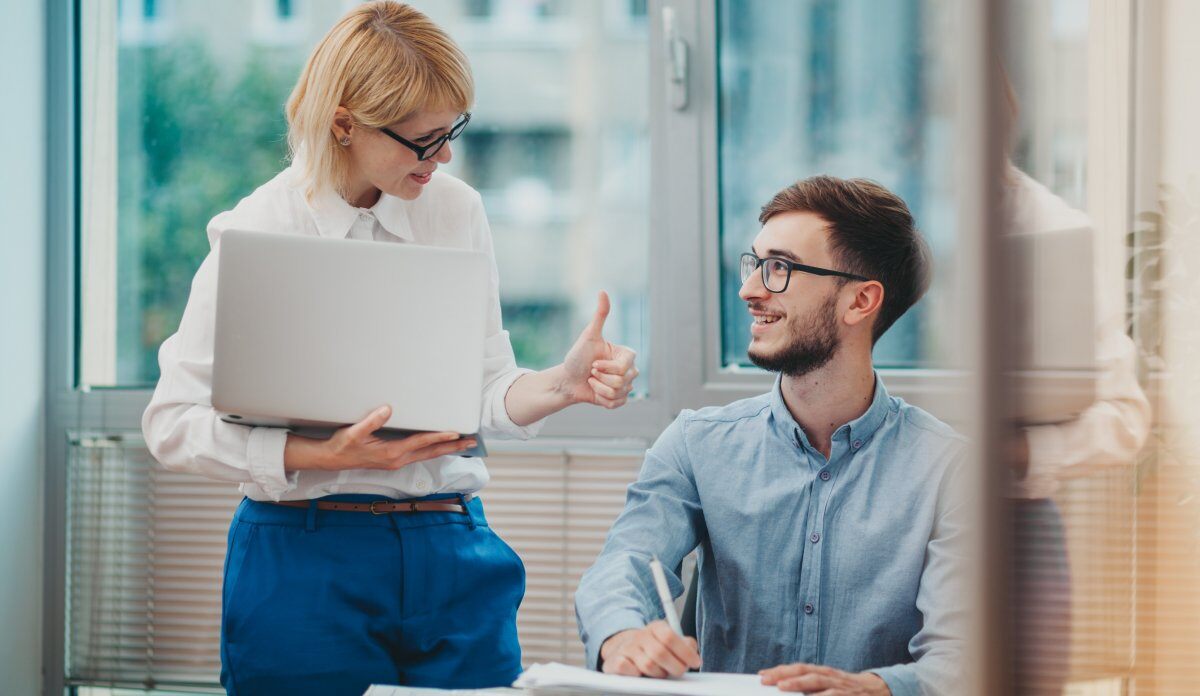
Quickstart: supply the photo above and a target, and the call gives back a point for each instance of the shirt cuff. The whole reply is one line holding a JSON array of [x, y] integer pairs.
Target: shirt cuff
[[901, 680], [602, 629], [264, 453], [1045, 457], [496, 421]]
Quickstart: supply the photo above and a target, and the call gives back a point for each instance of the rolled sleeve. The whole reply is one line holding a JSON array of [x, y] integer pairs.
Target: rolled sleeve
[[603, 628], [264, 455], [901, 680], [496, 421]]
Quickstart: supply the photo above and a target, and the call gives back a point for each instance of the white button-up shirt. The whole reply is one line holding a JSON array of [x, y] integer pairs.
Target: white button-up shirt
[[1110, 431], [183, 431]]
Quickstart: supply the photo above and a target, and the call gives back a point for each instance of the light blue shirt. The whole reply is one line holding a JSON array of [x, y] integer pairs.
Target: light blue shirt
[[851, 562]]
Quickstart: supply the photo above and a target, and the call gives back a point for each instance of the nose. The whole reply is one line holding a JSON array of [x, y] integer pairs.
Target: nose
[[444, 155], [752, 287]]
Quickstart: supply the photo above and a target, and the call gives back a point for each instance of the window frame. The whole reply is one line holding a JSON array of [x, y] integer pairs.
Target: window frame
[[684, 331]]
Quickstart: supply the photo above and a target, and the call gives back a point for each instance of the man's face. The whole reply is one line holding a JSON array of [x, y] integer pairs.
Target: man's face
[[798, 330]]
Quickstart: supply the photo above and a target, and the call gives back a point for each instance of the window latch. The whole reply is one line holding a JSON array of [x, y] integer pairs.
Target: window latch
[[676, 52]]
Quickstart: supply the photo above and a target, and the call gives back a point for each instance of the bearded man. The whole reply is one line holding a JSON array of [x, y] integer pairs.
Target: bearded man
[[825, 513]]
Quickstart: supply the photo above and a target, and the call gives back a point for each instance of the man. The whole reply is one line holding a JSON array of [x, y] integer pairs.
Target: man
[[828, 529]]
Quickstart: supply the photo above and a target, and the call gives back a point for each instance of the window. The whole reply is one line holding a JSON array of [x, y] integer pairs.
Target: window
[[145, 21], [561, 159], [851, 89]]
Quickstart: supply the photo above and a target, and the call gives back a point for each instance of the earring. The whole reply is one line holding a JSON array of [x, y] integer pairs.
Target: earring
[[345, 141]]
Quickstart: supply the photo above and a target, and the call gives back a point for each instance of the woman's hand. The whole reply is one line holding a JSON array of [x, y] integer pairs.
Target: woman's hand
[[357, 447], [596, 371]]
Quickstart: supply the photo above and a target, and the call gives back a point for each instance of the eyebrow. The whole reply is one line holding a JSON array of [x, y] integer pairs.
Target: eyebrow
[[429, 134], [784, 253]]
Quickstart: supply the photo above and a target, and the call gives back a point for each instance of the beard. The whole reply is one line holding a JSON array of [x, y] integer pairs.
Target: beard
[[814, 343]]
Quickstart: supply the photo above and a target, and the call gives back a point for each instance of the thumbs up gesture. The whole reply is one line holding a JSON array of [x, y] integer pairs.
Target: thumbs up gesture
[[599, 372]]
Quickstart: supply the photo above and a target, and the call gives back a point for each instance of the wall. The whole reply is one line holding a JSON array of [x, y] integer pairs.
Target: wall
[[22, 323]]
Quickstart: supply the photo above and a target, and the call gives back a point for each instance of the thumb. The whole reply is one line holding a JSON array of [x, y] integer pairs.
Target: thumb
[[596, 328]]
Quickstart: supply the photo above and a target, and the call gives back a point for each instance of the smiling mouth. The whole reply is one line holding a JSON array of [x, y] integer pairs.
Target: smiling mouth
[[766, 318]]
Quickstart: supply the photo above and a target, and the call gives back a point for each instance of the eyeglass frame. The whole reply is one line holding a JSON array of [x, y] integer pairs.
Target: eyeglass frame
[[760, 263], [425, 152]]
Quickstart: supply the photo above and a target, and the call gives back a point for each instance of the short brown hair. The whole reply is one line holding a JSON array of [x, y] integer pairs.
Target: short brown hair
[[871, 233]]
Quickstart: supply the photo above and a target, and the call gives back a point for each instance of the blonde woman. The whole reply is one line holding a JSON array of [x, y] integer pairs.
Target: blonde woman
[[319, 600]]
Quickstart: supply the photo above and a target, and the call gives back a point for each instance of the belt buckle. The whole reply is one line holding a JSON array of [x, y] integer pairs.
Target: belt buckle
[[372, 505]]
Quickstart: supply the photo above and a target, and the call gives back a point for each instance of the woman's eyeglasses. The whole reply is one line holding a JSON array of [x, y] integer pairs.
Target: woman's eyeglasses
[[424, 152]]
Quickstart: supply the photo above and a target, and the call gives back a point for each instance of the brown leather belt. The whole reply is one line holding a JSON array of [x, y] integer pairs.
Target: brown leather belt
[[379, 507]]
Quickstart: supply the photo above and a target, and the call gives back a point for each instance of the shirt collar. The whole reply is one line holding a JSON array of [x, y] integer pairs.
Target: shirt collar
[[860, 429], [334, 216]]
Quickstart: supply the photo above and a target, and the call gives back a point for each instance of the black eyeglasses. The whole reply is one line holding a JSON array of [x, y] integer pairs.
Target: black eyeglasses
[[424, 152], [777, 272]]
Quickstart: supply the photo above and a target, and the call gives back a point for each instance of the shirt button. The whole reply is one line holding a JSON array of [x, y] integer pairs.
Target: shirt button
[[825, 475], [814, 537], [422, 485], [857, 444], [808, 608]]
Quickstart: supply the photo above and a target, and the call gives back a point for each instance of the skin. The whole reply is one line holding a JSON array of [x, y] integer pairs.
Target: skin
[[594, 371], [821, 401]]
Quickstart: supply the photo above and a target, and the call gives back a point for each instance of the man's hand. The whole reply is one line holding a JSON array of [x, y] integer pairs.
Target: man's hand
[[816, 680], [652, 651]]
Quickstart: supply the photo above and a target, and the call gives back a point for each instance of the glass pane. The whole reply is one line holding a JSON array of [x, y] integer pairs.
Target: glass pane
[[181, 117], [850, 88], [561, 158]]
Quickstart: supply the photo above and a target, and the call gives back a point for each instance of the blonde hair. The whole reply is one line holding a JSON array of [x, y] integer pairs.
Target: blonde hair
[[383, 61]]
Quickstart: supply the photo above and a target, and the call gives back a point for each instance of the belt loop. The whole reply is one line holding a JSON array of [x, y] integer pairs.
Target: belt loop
[[310, 522], [462, 500]]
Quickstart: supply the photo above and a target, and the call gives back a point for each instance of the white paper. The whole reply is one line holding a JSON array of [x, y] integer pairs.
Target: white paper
[[691, 684], [384, 690]]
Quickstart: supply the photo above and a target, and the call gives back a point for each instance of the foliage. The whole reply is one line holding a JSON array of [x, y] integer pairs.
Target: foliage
[[195, 137]]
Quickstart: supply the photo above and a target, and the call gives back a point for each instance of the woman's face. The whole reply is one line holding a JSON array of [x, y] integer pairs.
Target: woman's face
[[377, 162]]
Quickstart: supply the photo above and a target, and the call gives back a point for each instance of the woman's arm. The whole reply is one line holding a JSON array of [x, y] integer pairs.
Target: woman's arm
[[594, 371]]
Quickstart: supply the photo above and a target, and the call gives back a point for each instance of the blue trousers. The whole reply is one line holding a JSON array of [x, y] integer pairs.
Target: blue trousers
[[326, 602], [1041, 590]]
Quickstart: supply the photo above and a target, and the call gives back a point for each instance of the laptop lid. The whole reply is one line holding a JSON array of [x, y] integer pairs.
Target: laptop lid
[[317, 333], [1054, 309]]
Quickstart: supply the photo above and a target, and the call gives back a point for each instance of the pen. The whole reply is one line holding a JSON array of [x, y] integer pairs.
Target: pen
[[664, 595]]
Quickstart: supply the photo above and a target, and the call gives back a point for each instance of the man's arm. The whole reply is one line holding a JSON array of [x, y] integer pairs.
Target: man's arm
[[662, 517], [943, 595]]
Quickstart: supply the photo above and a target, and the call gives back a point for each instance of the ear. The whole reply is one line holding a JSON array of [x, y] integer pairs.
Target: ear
[[864, 303], [343, 124]]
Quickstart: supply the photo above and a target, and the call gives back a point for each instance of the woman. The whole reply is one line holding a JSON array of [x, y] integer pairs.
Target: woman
[[323, 593]]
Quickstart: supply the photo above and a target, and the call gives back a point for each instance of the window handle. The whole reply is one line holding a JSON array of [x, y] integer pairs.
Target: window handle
[[676, 50]]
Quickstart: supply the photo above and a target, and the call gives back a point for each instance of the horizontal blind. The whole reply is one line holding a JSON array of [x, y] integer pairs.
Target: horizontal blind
[[145, 553], [555, 511], [146, 547], [1098, 513]]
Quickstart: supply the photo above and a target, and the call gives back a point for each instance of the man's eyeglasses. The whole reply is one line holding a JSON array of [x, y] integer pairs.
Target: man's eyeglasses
[[424, 152], [777, 272]]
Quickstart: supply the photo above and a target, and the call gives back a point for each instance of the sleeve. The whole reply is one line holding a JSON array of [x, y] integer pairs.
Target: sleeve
[[943, 596], [662, 517], [181, 429], [499, 363], [1110, 432]]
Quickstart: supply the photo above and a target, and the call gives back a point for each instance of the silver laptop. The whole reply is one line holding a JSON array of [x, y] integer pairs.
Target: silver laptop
[[313, 334], [1054, 296]]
